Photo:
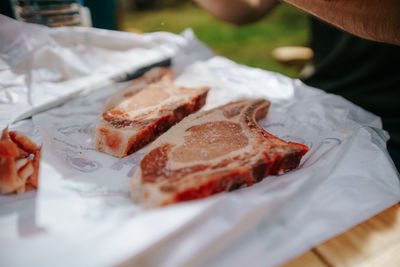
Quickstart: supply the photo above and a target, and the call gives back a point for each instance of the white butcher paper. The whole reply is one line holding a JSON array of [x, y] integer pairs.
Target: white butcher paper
[[82, 215], [42, 67]]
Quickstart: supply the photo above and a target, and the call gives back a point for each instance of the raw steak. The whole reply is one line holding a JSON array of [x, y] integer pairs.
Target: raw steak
[[211, 152], [136, 114], [19, 163]]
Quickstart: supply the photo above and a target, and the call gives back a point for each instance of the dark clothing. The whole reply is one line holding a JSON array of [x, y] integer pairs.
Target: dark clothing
[[103, 13], [395, 154], [365, 72], [5, 9]]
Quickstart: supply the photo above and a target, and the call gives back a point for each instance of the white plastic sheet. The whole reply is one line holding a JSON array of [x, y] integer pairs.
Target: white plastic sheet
[[82, 215], [41, 67]]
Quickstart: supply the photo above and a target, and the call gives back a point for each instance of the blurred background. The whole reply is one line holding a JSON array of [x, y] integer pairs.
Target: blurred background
[[251, 45]]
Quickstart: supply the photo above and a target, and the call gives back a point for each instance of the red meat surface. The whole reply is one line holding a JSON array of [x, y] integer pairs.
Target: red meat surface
[[142, 110], [19, 163], [212, 152]]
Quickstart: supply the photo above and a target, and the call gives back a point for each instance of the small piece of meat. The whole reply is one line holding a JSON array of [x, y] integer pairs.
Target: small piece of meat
[[212, 152], [19, 163], [142, 110]]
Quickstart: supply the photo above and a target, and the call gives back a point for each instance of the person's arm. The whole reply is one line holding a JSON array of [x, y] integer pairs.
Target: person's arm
[[377, 20], [238, 12]]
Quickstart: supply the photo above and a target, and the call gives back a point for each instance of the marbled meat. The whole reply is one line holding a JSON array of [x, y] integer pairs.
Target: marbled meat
[[136, 114], [212, 152]]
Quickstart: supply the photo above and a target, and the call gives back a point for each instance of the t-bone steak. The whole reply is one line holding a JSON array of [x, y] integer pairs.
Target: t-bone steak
[[136, 114], [210, 152]]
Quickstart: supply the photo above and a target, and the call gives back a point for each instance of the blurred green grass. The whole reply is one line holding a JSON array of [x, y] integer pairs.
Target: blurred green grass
[[250, 45]]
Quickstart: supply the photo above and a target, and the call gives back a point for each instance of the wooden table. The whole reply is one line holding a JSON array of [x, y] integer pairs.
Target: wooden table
[[375, 242]]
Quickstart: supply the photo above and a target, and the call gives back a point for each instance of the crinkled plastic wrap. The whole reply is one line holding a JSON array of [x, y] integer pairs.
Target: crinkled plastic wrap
[[82, 215], [42, 67]]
